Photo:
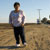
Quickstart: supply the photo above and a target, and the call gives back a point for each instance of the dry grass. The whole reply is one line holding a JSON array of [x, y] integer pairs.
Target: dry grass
[[37, 36]]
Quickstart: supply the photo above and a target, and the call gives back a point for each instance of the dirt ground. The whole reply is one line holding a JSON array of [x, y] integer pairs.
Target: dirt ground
[[37, 37]]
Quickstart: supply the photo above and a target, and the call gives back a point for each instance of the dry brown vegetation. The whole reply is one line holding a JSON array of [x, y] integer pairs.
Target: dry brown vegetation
[[37, 36]]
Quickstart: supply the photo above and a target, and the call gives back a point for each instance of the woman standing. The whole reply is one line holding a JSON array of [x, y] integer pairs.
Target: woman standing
[[17, 21]]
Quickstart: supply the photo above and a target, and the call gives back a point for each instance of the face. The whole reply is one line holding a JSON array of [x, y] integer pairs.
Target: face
[[17, 7]]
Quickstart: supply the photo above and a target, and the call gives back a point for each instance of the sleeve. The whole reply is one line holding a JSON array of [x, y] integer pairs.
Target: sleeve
[[23, 18], [10, 19]]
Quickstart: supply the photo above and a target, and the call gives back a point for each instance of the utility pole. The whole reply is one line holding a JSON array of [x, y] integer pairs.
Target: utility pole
[[39, 15]]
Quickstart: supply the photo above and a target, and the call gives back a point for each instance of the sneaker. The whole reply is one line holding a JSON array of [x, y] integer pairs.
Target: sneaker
[[25, 44], [18, 45]]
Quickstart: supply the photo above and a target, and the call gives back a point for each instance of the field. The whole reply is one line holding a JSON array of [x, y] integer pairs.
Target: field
[[37, 37]]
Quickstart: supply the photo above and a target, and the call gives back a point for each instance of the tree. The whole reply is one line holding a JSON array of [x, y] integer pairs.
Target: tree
[[44, 20], [48, 22]]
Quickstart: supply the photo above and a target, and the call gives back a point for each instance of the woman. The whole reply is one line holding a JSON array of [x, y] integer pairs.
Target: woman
[[17, 21]]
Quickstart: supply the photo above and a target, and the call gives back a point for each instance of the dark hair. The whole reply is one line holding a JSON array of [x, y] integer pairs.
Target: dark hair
[[16, 3]]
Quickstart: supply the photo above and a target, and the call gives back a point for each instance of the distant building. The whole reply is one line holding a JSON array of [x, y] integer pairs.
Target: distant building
[[38, 21]]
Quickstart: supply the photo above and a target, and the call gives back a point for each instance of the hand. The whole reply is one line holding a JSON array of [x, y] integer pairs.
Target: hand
[[11, 25], [22, 24]]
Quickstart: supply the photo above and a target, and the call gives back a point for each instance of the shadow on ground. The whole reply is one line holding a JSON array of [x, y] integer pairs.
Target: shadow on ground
[[10, 47]]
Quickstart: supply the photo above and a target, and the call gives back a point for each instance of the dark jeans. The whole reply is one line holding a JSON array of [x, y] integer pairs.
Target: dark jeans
[[19, 31]]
